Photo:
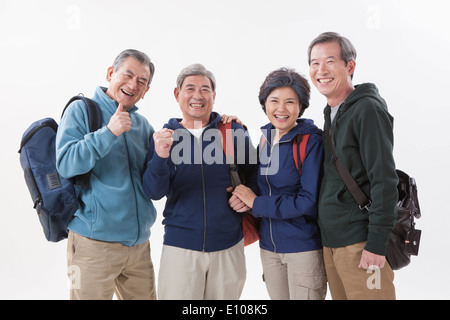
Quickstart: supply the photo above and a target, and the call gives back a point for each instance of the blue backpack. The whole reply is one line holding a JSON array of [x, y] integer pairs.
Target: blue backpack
[[54, 197]]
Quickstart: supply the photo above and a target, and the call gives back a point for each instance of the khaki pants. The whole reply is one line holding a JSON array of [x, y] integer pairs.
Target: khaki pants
[[97, 269], [294, 276], [195, 275], [348, 282]]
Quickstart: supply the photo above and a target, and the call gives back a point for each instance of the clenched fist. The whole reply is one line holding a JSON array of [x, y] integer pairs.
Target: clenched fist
[[163, 142], [120, 122]]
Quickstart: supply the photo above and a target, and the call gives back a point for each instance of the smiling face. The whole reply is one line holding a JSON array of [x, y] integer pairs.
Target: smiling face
[[282, 109], [330, 74], [129, 83], [196, 99]]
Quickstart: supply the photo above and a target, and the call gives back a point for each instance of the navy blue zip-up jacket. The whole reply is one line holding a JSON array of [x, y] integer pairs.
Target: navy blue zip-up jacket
[[194, 179], [287, 203]]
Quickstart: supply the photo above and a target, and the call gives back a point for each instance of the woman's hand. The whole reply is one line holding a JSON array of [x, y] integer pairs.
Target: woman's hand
[[245, 194]]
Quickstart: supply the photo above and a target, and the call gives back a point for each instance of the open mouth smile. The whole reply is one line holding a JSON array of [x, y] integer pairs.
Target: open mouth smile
[[325, 80], [127, 93], [196, 105]]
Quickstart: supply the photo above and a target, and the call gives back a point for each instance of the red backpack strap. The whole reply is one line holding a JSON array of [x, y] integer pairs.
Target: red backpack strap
[[226, 137], [262, 142], [299, 150]]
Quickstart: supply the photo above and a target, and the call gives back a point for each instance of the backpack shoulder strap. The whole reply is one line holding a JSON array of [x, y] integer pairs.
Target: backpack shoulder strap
[[94, 113], [226, 137], [299, 150], [358, 194], [95, 123]]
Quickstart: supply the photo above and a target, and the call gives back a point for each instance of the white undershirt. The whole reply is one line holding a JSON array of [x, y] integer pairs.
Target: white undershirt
[[196, 132]]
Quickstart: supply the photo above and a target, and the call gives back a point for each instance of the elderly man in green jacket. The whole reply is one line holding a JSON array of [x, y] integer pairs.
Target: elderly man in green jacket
[[354, 238]]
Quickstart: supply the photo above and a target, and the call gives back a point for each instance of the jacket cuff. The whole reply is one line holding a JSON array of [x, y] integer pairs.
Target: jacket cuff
[[377, 243], [258, 205], [159, 164]]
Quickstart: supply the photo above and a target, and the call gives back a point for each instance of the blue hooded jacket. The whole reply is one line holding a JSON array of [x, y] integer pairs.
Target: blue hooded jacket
[[194, 179], [287, 203], [115, 207]]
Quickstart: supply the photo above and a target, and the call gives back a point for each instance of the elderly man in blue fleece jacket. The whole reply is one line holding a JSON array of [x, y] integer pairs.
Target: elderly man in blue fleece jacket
[[203, 253], [108, 245]]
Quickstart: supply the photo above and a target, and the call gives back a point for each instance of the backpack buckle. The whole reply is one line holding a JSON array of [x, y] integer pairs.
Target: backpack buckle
[[366, 207]]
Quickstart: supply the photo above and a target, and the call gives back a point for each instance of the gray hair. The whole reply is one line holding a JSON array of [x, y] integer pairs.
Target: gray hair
[[196, 70], [139, 56], [348, 51]]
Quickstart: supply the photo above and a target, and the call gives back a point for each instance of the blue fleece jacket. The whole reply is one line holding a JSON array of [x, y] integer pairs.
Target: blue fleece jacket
[[288, 201], [194, 179], [115, 207]]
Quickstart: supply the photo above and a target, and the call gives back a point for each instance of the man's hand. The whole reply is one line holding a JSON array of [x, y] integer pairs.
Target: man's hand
[[227, 118], [120, 122], [163, 142], [371, 260]]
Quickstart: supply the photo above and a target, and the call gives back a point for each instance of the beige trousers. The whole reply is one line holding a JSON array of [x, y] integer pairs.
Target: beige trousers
[[348, 282], [195, 275], [98, 269], [294, 276]]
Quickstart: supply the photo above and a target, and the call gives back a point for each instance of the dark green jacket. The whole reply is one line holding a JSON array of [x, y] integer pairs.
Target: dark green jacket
[[363, 136]]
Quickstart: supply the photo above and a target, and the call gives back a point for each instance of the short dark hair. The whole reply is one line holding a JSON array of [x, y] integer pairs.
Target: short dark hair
[[139, 56], [285, 77]]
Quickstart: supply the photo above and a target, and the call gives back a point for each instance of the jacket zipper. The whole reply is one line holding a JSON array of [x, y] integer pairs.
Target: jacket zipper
[[132, 184], [204, 191], [270, 193]]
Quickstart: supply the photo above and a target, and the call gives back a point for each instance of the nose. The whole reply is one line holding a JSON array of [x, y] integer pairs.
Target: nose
[[322, 68], [282, 107], [133, 83], [197, 94]]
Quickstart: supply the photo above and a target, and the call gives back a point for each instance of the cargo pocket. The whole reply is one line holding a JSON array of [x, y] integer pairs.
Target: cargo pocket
[[309, 287]]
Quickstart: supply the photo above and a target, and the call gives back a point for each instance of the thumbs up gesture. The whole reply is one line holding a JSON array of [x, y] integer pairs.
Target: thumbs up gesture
[[120, 122], [163, 142]]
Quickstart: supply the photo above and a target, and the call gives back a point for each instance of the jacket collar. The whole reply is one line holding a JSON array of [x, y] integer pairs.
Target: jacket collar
[[364, 89], [174, 123], [304, 126], [108, 103]]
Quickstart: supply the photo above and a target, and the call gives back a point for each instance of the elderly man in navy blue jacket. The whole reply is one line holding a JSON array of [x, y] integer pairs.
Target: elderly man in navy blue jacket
[[203, 252]]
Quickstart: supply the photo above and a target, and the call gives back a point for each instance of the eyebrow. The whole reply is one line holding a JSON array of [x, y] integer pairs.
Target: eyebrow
[[202, 86], [332, 57], [276, 98], [140, 78]]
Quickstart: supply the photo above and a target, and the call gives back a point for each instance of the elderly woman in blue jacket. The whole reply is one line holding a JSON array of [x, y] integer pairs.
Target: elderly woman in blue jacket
[[291, 249]]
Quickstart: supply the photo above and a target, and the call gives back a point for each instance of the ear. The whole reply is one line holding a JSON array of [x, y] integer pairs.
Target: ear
[[351, 65], [109, 74], [146, 90], [176, 93], [300, 111]]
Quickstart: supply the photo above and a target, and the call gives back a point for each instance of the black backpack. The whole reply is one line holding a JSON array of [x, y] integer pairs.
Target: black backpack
[[54, 197], [405, 239]]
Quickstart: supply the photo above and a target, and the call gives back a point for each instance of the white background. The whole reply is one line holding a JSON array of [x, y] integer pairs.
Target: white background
[[52, 50]]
